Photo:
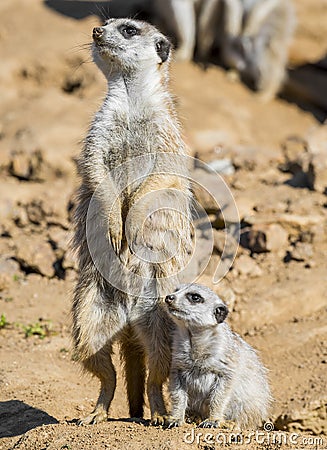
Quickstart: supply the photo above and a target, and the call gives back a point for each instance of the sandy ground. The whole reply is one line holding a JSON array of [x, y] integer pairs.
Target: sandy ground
[[276, 289]]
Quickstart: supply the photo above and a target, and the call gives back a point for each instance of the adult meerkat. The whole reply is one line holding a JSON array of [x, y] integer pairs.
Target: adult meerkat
[[215, 375], [253, 36], [132, 218]]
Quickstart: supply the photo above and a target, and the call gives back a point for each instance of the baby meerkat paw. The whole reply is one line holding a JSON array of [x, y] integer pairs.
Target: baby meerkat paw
[[171, 422], [93, 418], [208, 423]]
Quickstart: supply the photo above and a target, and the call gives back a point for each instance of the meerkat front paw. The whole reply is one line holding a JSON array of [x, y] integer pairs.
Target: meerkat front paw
[[115, 230]]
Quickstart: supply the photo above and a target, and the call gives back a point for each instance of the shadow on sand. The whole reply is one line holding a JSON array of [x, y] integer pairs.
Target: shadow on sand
[[16, 417]]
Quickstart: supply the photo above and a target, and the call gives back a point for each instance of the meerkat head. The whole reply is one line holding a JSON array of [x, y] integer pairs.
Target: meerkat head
[[196, 306], [128, 46]]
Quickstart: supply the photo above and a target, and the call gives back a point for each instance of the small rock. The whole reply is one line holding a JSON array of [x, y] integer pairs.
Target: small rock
[[26, 161], [20, 217], [245, 158], [312, 418], [8, 269], [219, 241], [302, 251], [35, 255], [203, 195], [318, 148], [292, 223], [212, 265], [245, 206], [36, 212], [25, 166], [227, 294], [307, 160], [297, 162], [265, 238], [223, 166], [246, 266], [59, 237], [296, 155], [211, 191]]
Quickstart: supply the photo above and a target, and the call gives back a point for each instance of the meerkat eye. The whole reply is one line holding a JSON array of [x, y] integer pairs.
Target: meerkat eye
[[128, 31], [195, 298]]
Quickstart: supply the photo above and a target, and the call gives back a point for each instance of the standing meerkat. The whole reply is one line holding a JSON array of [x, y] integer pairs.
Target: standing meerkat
[[132, 218], [253, 36], [215, 375]]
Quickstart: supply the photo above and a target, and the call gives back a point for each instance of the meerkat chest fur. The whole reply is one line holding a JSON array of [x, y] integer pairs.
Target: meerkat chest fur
[[202, 351]]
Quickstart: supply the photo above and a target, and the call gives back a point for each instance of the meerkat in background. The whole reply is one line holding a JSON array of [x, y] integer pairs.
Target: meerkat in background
[[133, 212], [215, 375], [179, 19], [254, 39]]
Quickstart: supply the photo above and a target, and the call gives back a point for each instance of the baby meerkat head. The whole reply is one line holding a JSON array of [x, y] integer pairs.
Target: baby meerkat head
[[129, 46], [196, 306]]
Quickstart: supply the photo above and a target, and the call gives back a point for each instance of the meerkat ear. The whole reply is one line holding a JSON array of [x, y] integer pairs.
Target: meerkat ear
[[163, 49], [221, 312]]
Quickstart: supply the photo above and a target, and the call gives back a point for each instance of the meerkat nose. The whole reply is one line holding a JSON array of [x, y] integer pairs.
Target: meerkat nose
[[98, 32], [170, 299]]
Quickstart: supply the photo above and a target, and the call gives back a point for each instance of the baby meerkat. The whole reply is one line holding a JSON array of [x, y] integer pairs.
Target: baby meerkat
[[215, 375], [253, 36], [132, 218]]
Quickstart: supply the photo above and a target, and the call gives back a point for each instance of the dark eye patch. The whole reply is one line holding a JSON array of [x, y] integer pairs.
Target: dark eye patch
[[194, 297], [128, 31]]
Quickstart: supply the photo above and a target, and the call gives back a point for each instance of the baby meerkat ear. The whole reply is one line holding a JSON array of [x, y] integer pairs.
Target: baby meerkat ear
[[163, 48], [221, 312]]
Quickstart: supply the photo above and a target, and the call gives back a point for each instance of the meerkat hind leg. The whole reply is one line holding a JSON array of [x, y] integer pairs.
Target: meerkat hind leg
[[134, 361], [154, 389], [101, 365]]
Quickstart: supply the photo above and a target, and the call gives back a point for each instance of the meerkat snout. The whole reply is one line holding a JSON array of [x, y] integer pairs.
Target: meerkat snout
[[170, 299]]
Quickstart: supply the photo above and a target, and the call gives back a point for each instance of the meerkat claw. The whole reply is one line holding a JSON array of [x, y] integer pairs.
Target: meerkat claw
[[209, 424], [171, 422], [93, 418], [157, 420]]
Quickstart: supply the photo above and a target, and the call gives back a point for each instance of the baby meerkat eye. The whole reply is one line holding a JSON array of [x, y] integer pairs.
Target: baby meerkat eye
[[128, 31], [195, 298]]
